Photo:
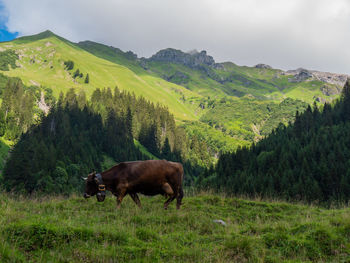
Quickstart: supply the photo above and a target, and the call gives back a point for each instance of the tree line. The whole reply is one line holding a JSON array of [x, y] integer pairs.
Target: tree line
[[77, 134], [307, 160]]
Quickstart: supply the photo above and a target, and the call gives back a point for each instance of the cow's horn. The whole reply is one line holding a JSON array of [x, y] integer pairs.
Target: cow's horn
[[84, 178]]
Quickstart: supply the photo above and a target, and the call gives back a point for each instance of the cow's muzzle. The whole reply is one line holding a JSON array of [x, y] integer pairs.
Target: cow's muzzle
[[86, 195], [101, 196]]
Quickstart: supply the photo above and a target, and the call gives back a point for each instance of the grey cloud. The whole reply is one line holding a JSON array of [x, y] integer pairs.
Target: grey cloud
[[285, 34]]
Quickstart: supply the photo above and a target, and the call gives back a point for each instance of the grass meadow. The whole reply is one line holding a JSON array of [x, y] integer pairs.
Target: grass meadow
[[71, 229]]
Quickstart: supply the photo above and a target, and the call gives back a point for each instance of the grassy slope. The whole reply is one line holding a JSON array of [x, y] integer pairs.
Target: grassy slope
[[112, 54], [261, 83], [77, 230], [48, 70]]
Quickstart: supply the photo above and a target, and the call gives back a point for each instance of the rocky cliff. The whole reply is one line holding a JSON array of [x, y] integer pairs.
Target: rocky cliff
[[302, 74], [192, 59]]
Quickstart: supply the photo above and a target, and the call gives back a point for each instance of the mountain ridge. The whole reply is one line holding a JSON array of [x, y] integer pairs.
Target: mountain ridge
[[192, 58]]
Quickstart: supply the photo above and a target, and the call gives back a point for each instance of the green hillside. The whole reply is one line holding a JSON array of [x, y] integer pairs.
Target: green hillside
[[228, 79], [58, 229], [223, 79], [307, 160], [41, 63], [243, 103]]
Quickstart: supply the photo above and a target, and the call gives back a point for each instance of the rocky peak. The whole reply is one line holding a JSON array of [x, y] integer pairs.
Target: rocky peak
[[263, 66], [302, 74], [191, 59], [193, 52], [332, 78]]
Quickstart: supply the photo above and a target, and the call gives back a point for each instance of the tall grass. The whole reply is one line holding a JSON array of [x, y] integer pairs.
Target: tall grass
[[71, 229]]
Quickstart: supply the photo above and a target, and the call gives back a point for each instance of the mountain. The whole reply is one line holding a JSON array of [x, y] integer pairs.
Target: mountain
[[199, 72], [41, 63], [235, 104]]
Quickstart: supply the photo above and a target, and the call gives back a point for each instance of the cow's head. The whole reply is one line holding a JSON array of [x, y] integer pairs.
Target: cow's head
[[94, 187]]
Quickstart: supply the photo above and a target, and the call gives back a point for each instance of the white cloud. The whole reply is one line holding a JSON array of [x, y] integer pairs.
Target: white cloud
[[286, 34]]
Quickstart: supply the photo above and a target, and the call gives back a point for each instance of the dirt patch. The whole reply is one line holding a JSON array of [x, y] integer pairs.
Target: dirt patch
[[42, 104], [34, 83], [51, 54]]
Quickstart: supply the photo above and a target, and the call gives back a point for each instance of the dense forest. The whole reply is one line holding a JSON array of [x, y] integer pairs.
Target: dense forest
[[77, 134], [307, 160]]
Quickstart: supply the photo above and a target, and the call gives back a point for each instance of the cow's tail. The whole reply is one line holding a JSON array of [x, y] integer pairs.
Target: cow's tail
[[180, 194]]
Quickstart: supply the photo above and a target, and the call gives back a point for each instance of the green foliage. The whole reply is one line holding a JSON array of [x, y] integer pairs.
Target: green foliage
[[247, 119], [75, 136], [50, 100], [52, 156], [76, 74], [69, 64], [153, 126], [216, 140], [282, 113], [4, 149], [87, 80], [60, 229], [17, 109], [304, 161], [8, 57]]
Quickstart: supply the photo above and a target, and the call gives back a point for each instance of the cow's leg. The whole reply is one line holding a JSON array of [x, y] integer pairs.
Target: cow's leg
[[179, 198], [121, 193], [170, 192], [136, 199]]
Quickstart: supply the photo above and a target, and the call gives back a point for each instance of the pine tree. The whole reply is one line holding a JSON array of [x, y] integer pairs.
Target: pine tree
[[87, 78], [166, 151], [345, 96], [76, 74]]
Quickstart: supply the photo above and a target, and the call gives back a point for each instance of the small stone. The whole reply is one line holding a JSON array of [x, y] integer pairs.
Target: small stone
[[219, 221]]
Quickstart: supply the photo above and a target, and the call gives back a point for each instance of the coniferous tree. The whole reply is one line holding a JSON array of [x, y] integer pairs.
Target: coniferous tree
[[76, 74], [87, 80]]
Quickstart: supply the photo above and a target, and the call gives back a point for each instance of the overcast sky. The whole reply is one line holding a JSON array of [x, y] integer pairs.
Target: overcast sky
[[285, 34]]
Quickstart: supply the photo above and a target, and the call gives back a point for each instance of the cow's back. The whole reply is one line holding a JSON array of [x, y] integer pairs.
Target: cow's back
[[148, 177]]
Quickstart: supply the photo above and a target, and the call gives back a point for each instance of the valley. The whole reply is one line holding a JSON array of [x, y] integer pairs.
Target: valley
[[174, 131], [217, 107]]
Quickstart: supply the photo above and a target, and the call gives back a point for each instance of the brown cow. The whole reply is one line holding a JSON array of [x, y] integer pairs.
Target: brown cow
[[150, 177]]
